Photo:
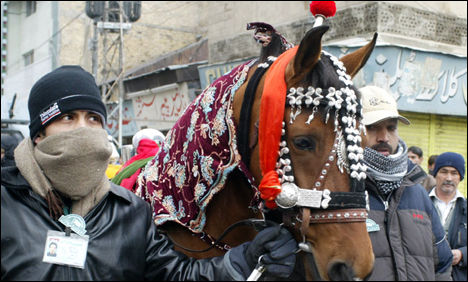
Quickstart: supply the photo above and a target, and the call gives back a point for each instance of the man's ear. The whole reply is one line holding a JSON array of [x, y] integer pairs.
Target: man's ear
[[40, 136]]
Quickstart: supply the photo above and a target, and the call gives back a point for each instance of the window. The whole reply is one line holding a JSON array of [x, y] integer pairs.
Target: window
[[28, 58], [30, 8]]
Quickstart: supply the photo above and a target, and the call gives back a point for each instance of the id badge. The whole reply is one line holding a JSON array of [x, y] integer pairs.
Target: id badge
[[66, 250]]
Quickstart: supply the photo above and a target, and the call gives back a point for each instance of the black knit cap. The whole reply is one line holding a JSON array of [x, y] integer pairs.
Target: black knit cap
[[65, 89]]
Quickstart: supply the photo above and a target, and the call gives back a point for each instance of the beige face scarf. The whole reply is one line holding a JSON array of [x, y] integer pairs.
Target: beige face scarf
[[73, 163]]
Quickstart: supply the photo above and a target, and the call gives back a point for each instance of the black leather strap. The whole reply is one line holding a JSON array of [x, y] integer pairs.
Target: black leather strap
[[257, 224], [347, 200]]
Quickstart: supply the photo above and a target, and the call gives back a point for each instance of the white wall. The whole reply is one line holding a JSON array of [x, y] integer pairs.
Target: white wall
[[28, 33], [21, 83]]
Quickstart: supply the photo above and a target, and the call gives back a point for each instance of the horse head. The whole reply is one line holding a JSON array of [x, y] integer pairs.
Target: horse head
[[309, 106]]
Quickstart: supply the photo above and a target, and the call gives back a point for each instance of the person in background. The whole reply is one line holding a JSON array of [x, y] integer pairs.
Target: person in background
[[415, 154], [407, 237], [9, 144], [59, 186], [449, 171], [431, 163], [146, 143]]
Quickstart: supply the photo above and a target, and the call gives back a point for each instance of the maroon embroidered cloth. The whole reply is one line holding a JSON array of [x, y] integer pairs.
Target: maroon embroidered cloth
[[198, 154]]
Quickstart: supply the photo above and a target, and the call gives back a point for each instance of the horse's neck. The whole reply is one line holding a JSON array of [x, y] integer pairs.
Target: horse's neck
[[230, 206]]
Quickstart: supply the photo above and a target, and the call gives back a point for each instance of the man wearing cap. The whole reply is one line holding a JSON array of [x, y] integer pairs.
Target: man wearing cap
[[59, 192], [449, 171], [407, 237]]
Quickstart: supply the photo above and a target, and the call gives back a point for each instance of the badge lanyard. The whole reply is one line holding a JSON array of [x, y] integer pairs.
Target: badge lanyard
[[67, 248]]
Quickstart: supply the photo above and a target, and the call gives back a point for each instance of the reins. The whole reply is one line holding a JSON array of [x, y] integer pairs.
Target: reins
[[256, 224]]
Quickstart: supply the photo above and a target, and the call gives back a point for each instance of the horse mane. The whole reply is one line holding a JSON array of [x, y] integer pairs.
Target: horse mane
[[274, 48]]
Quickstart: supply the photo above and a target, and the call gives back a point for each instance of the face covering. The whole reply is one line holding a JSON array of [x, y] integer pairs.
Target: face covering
[[72, 163], [387, 172]]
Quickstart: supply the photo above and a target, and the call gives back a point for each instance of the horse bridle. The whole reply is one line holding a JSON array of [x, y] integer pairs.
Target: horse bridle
[[302, 207], [328, 206]]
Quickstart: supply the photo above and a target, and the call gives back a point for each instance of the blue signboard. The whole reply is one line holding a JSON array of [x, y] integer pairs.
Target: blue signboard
[[209, 73], [425, 82]]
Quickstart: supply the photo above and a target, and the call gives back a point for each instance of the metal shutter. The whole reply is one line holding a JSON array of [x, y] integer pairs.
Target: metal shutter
[[436, 134]]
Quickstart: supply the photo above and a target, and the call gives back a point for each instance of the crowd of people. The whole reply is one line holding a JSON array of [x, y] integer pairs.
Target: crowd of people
[[54, 181]]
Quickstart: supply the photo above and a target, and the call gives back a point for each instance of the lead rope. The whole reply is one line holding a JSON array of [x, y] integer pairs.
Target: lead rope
[[257, 224]]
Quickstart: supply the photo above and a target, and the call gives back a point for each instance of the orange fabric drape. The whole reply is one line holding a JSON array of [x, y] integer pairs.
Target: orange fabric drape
[[271, 117]]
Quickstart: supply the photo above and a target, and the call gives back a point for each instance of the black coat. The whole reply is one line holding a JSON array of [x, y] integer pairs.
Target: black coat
[[9, 144], [123, 240], [457, 239]]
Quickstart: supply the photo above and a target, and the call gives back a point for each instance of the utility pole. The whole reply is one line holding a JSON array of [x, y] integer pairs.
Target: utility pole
[[112, 64], [114, 22]]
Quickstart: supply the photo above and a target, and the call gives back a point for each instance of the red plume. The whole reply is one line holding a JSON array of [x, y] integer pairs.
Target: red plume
[[324, 8]]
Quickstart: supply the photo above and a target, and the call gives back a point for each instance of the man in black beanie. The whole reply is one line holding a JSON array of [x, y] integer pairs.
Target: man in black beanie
[[58, 192], [63, 90], [449, 171]]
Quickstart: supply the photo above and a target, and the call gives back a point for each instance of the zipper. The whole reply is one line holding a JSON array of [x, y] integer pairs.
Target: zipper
[[387, 230], [385, 202]]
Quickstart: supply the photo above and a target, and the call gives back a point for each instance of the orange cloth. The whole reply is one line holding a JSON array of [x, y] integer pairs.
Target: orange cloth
[[271, 119]]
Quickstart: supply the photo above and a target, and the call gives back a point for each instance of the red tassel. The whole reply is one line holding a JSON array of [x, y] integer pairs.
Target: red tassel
[[271, 205], [270, 187], [324, 8]]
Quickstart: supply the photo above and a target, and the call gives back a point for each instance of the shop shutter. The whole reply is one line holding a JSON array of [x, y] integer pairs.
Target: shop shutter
[[436, 134]]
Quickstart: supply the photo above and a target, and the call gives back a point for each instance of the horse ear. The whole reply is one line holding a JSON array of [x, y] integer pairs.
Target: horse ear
[[356, 60], [309, 52]]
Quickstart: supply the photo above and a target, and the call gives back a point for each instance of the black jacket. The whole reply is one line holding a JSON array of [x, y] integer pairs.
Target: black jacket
[[457, 239], [9, 144], [123, 240], [410, 243]]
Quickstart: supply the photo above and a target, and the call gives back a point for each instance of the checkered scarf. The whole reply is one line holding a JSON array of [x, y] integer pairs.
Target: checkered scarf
[[387, 172]]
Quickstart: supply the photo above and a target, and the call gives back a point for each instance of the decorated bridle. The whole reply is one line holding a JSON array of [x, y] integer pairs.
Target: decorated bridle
[[296, 203], [302, 207]]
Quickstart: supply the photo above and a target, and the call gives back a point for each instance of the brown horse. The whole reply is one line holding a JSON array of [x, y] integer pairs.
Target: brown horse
[[317, 143]]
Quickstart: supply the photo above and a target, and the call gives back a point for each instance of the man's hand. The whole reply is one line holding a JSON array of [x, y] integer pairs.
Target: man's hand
[[457, 256], [277, 247]]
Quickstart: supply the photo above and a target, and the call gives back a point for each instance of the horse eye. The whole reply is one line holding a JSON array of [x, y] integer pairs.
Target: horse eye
[[303, 143]]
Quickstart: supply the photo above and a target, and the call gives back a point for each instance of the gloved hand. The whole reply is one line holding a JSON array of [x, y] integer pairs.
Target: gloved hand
[[278, 248]]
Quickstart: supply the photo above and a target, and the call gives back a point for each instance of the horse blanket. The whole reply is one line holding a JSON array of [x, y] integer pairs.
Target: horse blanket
[[197, 156]]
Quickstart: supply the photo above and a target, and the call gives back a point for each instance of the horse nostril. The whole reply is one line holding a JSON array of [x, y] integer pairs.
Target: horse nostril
[[340, 271]]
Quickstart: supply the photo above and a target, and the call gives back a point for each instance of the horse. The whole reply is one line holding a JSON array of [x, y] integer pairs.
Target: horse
[[308, 143]]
